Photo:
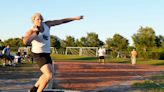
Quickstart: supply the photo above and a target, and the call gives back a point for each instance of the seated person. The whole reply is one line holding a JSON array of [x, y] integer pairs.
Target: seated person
[[7, 56], [17, 58]]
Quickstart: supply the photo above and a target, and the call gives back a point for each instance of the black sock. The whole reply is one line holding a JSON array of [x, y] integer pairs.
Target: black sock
[[33, 89]]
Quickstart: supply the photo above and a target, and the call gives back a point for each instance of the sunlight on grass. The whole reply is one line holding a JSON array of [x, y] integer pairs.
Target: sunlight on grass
[[107, 59], [67, 57], [155, 84], [151, 62], [158, 77], [147, 85]]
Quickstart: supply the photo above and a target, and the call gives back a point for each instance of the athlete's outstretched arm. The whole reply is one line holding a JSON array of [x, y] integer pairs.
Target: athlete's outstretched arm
[[61, 21]]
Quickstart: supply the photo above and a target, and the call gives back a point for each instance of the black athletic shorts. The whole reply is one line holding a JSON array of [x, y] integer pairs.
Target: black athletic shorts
[[101, 57], [42, 58]]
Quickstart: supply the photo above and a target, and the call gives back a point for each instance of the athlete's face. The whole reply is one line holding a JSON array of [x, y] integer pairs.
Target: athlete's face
[[37, 21]]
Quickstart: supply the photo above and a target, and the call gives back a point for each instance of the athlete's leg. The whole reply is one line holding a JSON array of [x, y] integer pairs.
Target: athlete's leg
[[133, 60], [45, 77], [103, 60]]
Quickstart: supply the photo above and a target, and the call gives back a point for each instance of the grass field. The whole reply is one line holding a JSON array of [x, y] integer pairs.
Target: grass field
[[58, 57], [155, 84]]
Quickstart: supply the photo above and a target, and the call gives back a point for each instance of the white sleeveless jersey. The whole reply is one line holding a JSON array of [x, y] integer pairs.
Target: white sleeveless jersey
[[101, 52], [41, 43]]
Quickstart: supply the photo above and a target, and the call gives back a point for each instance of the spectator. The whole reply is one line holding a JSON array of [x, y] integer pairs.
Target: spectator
[[19, 51], [17, 58], [101, 53], [7, 56], [133, 56]]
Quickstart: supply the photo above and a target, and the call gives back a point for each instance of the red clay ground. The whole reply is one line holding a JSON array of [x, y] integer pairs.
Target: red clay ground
[[82, 76], [93, 76]]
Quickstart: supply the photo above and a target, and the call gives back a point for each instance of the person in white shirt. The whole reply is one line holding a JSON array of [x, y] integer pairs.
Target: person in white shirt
[[39, 37], [101, 53], [17, 58]]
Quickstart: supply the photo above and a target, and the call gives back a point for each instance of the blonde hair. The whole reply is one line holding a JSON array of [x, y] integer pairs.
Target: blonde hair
[[37, 14]]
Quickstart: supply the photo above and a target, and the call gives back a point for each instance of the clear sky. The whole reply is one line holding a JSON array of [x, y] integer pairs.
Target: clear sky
[[104, 17]]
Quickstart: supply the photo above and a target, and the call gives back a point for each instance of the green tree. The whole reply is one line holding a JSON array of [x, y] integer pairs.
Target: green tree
[[159, 40], [82, 42], [14, 43], [93, 40], [1, 44], [55, 41], [70, 41], [63, 44], [110, 43], [144, 38], [117, 43]]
